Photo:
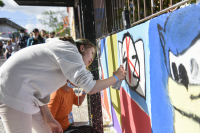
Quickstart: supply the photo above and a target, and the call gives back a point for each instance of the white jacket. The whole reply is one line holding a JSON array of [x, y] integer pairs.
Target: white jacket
[[29, 76]]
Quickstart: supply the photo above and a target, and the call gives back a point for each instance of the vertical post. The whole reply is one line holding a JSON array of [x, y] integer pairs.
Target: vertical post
[[77, 29], [122, 11], [79, 21], [119, 14], [160, 5], [171, 2], [87, 10], [133, 11], [109, 15], [128, 5], [145, 9], [113, 15], [152, 6], [116, 15], [138, 9], [81, 18]]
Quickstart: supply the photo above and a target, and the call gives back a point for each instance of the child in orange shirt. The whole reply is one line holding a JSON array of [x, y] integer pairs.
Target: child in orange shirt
[[61, 103], [60, 106]]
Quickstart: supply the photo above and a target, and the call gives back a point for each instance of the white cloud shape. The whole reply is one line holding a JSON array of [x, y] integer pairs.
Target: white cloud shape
[[12, 6]]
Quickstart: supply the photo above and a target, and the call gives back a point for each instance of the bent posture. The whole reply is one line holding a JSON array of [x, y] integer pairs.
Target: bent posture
[[28, 78]]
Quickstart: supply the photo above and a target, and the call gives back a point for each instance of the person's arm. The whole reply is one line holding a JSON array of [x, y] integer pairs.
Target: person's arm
[[72, 65], [103, 84], [53, 124], [81, 98], [7, 49], [28, 42]]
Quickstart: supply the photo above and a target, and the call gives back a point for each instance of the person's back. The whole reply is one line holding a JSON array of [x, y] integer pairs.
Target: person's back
[[36, 65]]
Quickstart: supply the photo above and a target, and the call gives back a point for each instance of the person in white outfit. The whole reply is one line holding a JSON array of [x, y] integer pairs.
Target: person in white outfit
[[28, 78], [15, 46]]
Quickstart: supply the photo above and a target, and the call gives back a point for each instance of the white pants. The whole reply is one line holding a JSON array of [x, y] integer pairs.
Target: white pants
[[18, 122]]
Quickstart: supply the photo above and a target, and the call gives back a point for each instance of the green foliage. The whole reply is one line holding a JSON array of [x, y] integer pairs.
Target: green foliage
[[51, 19], [62, 33], [1, 3]]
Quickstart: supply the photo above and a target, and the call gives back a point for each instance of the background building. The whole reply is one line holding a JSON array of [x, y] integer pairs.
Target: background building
[[9, 29]]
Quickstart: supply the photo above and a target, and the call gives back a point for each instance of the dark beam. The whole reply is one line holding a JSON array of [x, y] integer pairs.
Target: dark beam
[[109, 15], [88, 29], [61, 3]]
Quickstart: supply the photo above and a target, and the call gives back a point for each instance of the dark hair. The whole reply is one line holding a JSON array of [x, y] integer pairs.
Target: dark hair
[[43, 31], [35, 30], [67, 38], [9, 41], [86, 43], [82, 41], [21, 30], [40, 38]]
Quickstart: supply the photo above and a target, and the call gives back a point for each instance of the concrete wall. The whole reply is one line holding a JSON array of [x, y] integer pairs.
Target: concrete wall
[[161, 93]]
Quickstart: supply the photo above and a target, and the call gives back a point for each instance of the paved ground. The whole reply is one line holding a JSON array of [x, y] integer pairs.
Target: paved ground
[[2, 60], [80, 114]]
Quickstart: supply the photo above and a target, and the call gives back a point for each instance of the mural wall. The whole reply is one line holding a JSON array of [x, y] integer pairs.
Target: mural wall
[[161, 92]]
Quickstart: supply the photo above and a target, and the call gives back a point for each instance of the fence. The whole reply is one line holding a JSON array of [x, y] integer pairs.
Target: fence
[[108, 20]]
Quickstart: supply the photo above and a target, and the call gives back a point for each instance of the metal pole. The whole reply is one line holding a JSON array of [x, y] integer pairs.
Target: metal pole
[[171, 2], [152, 3], [133, 11], [138, 9], [145, 10], [122, 11], [119, 19], [161, 12], [160, 5], [116, 19], [113, 17]]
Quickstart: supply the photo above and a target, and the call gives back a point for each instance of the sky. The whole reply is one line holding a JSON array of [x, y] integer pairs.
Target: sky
[[27, 16]]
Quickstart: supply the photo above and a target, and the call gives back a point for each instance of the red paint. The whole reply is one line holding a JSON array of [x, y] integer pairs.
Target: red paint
[[134, 119], [105, 99], [127, 49], [129, 62]]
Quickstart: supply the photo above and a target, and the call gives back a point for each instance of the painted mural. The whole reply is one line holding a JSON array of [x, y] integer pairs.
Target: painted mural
[[161, 92]]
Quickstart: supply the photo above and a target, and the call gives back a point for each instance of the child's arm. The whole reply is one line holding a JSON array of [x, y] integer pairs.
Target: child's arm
[[82, 97]]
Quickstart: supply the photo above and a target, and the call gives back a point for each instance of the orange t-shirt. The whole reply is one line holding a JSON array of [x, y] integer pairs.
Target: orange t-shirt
[[60, 106]]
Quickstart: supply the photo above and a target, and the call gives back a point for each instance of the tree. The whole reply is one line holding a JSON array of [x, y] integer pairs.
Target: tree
[[1, 3], [61, 31], [52, 19]]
